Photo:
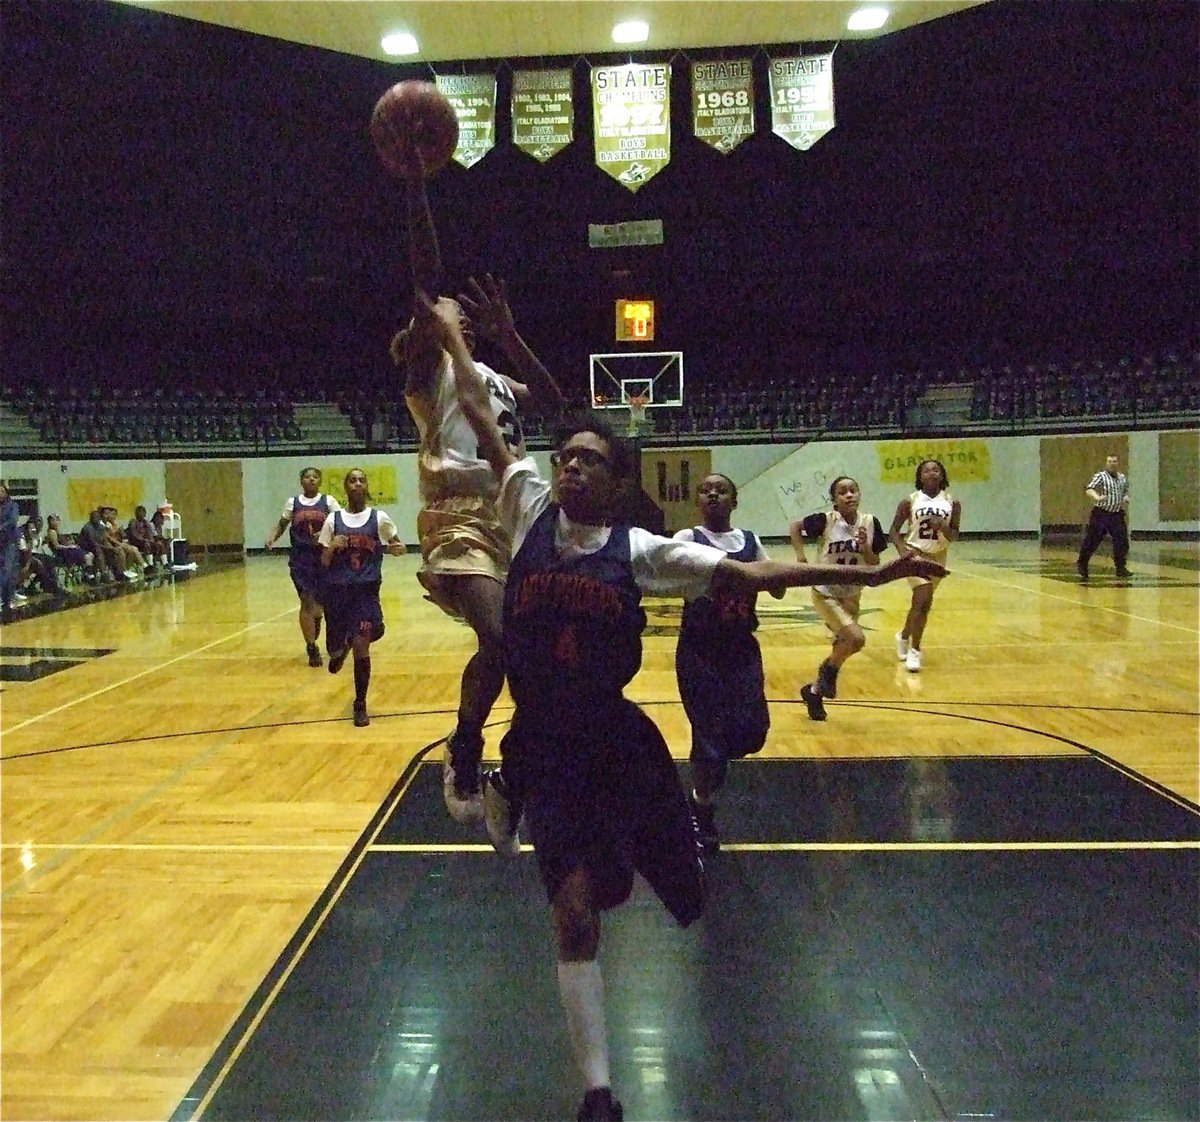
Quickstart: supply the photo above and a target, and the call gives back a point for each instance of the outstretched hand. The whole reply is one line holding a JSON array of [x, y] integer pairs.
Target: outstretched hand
[[440, 314], [487, 306], [910, 565]]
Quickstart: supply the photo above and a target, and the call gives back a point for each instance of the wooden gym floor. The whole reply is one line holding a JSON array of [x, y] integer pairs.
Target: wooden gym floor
[[971, 893]]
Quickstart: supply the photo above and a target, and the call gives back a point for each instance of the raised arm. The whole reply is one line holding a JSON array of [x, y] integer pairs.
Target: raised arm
[[487, 305], [472, 391], [764, 576], [424, 256]]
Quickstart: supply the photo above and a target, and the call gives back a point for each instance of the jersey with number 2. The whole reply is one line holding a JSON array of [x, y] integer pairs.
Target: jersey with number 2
[[922, 534]]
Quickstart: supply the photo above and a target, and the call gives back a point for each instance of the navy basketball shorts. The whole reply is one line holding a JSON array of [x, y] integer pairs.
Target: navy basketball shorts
[[351, 610], [607, 795], [724, 695]]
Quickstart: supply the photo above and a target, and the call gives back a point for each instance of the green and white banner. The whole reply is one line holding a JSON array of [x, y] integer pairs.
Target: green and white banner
[[631, 109], [802, 98], [474, 99], [543, 114], [723, 102]]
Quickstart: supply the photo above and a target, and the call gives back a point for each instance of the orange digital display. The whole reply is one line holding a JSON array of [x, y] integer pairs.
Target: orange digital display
[[635, 321]]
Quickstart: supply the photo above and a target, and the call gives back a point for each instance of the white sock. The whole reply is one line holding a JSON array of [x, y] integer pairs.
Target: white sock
[[581, 988]]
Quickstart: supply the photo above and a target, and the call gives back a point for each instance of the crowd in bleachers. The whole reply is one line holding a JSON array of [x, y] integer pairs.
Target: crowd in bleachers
[[102, 551], [1124, 391]]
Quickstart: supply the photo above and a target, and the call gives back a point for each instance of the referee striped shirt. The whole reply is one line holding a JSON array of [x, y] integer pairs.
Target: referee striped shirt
[[1112, 489]]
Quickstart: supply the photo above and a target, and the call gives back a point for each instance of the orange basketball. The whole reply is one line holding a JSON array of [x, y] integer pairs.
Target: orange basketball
[[414, 129]]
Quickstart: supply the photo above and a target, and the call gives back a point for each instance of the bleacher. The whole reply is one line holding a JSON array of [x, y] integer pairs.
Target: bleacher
[[1156, 390]]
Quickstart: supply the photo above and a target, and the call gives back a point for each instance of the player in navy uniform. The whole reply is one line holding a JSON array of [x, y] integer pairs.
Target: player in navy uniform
[[845, 536], [353, 543], [595, 778], [718, 662], [303, 516]]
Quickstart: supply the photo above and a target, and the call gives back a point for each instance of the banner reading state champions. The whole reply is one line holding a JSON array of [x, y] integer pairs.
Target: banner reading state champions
[[631, 107]]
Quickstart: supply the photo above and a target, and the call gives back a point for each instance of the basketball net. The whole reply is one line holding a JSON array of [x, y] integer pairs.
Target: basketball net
[[637, 414]]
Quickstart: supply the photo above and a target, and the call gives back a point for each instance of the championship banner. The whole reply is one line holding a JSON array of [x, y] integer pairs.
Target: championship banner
[[474, 99], [723, 102], [966, 461], [631, 111], [802, 98], [543, 115]]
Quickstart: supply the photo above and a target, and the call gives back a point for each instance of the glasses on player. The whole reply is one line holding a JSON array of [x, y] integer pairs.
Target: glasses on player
[[588, 457]]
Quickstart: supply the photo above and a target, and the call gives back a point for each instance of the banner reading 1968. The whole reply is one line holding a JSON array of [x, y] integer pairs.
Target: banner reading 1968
[[723, 102], [474, 99], [802, 99], [543, 116], [631, 108]]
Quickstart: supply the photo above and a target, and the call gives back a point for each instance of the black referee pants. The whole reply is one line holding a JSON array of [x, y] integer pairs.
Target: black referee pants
[[1112, 523]]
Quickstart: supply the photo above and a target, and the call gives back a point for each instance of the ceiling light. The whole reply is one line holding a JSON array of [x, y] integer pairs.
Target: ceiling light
[[399, 43], [867, 19], [631, 31]]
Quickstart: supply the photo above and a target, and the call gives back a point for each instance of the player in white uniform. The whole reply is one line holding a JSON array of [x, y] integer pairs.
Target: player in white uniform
[[844, 535], [464, 549], [932, 515]]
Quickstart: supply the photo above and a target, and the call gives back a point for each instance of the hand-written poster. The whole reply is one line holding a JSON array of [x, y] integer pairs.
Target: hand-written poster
[[631, 107], [543, 114], [802, 98], [723, 102], [474, 99]]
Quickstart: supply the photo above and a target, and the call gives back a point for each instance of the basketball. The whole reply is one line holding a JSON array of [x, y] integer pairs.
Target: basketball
[[415, 129]]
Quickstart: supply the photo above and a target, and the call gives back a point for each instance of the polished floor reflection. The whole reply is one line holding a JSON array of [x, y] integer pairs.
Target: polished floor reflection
[[1032, 956], [970, 893]]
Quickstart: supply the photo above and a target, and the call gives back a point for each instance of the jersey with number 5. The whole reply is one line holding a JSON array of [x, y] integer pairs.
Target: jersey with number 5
[[449, 464], [922, 533]]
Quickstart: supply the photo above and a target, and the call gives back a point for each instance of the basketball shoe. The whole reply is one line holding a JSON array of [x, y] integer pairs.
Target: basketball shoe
[[501, 814], [812, 699], [460, 778]]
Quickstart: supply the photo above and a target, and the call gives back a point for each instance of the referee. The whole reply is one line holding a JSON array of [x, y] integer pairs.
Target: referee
[[1109, 492]]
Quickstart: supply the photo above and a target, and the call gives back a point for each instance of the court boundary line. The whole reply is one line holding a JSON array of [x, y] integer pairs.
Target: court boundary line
[[142, 673], [829, 847], [897, 704], [218, 1066]]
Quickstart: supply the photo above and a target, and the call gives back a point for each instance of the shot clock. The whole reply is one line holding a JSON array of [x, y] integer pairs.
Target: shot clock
[[635, 321]]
